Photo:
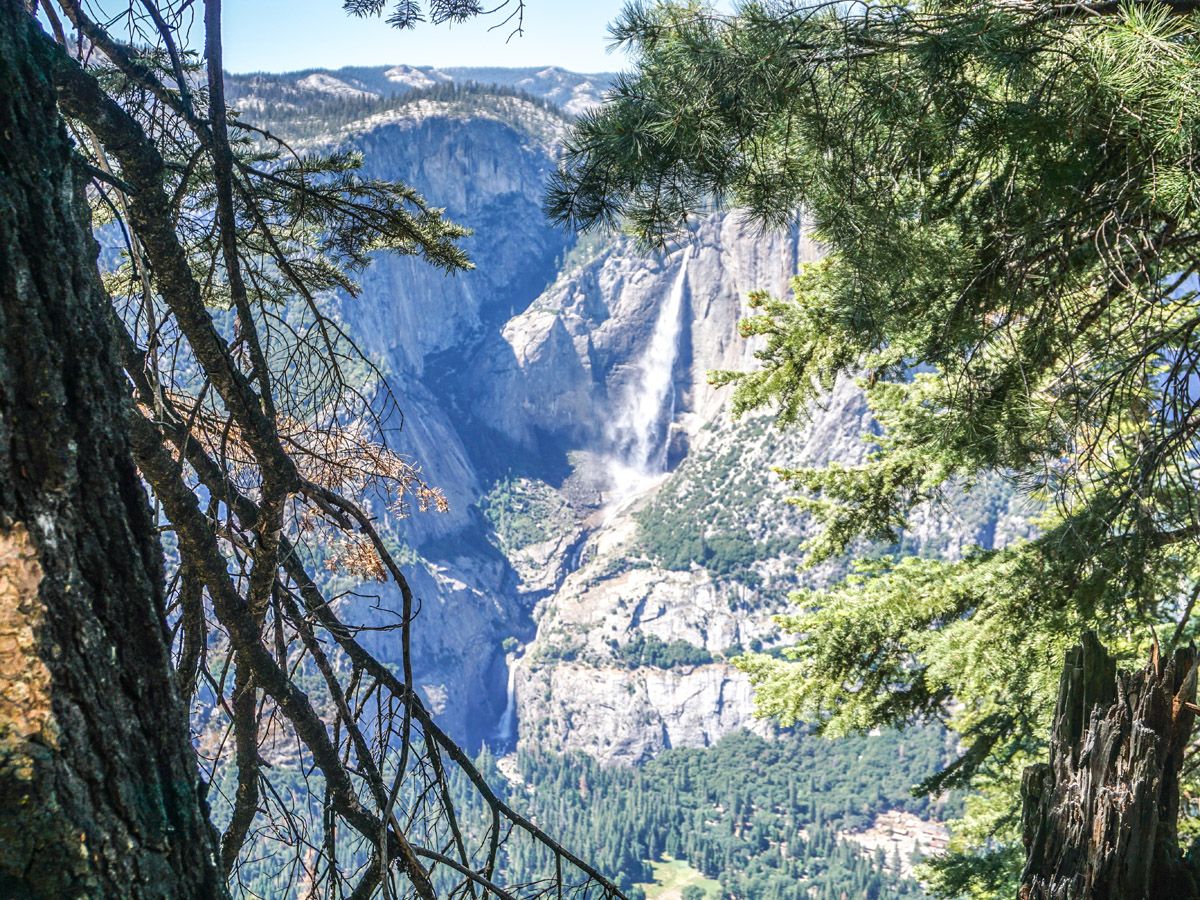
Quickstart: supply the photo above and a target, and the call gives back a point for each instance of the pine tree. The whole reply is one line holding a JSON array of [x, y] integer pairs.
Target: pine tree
[[256, 425], [99, 790], [1009, 198]]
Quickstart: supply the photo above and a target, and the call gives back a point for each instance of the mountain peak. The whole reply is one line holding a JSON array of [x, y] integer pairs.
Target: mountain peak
[[573, 92], [322, 83], [416, 77]]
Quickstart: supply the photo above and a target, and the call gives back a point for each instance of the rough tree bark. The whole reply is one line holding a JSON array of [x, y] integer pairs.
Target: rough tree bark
[[1100, 820], [99, 792]]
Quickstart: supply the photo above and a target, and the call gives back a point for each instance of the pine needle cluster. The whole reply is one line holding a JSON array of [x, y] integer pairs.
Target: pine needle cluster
[[1009, 196]]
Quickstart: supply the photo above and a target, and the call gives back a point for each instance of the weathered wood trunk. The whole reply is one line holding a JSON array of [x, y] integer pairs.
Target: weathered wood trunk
[[1100, 820], [99, 794]]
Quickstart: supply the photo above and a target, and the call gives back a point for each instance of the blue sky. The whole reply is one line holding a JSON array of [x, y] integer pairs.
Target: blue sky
[[284, 35]]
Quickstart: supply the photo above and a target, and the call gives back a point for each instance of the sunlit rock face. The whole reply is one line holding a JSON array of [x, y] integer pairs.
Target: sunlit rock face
[[614, 537]]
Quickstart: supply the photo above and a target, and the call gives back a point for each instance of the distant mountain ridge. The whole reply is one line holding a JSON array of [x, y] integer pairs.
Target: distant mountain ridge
[[572, 92]]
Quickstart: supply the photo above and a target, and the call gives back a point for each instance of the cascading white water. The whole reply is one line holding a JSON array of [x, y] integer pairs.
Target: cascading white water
[[640, 430], [506, 731]]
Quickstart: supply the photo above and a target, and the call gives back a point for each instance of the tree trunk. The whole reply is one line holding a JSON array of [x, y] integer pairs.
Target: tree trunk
[[99, 793], [1100, 821]]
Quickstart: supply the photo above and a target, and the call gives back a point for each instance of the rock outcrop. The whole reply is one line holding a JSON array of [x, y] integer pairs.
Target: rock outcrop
[[614, 538]]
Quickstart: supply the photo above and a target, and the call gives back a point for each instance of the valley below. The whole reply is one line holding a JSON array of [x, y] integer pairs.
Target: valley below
[[615, 537]]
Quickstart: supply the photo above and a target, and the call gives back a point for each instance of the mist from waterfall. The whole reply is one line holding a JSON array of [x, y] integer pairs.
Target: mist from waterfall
[[640, 431]]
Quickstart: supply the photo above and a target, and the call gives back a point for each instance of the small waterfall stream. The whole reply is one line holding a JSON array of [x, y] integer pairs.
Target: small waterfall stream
[[638, 437], [506, 731], [639, 432]]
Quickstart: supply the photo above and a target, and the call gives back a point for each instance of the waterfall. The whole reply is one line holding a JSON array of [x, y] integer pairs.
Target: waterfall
[[640, 430], [506, 731]]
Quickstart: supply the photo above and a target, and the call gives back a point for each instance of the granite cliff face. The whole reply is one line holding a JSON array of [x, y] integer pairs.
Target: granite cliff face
[[614, 538]]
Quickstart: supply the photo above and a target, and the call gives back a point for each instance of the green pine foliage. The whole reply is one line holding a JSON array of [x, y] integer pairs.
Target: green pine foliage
[[650, 650], [282, 108], [767, 819], [709, 513], [760, 817], [1009, 198], [524, 512]]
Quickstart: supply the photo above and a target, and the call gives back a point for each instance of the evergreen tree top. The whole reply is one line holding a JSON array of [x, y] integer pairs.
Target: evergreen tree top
[[1009, 197]]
